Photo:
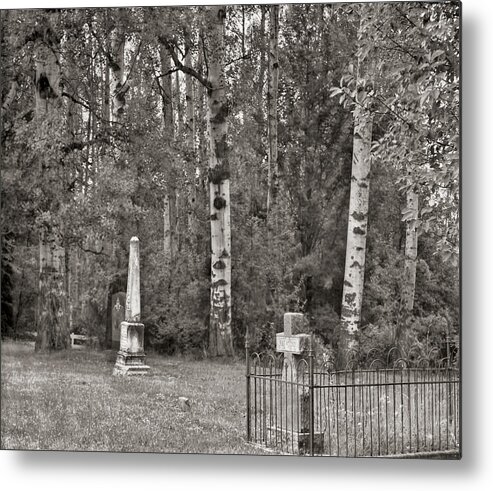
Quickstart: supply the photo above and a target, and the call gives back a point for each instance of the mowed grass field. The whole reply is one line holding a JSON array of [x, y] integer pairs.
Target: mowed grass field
[[71, 401]]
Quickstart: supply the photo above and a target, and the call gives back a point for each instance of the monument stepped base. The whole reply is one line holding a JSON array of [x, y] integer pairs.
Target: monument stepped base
[[297, 442], [130, 364]]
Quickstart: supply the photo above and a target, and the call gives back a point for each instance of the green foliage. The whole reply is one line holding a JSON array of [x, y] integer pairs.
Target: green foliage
[[177, 333], [175, 308], [421, 99], [102, 183], [7, 283]]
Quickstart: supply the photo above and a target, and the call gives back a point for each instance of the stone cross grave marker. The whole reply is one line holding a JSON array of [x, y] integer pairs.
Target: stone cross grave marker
[[294, 417], [131, 356]]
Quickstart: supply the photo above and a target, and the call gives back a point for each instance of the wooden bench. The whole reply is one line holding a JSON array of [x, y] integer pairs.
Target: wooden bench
[[77, 341]]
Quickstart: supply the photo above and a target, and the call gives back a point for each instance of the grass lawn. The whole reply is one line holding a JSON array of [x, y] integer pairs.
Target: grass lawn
[[71, 401]]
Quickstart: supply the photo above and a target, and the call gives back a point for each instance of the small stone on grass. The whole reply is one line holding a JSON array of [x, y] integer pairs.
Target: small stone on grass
[[184, 403]]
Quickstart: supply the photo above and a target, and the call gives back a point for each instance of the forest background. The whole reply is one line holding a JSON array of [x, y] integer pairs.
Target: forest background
[[38, 469], [121, 148]]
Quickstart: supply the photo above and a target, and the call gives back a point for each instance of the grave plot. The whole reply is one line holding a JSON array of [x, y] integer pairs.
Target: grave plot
[[393, 407]]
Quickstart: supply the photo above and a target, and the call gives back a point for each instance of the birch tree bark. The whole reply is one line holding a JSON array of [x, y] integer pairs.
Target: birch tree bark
[[261, 72], [176, 195], [169, 220], [189, 99], [116, 108], [220, 335], [201, 110], [202, 242], [52, 315], [167, 96], [272, 105], [354, 272], [169, 212], [411, 251], [178, 106], [190, 138], [256, 189], [106, 92], [117, 89]]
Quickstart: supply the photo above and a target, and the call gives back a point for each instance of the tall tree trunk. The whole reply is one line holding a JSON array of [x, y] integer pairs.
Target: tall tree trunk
[[202, 143], [354, 272], [190, 137], [69, 177], [189, 99], [52, 318], [178, 105], [202, 243], [169, 203], [106, 92], [77, 285], [261, 72], [175, 195], [257, 200], [410, 256], [220, 335], [167, 95], [411, 252], [117, 90], [169, 220], [272, 105]]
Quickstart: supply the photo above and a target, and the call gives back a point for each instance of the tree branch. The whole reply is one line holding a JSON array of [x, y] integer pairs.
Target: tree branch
[[392, 40], [246, 56], [132, 64], [185, 69], [396, 114], [97, 253], [88, 107], [79, 145]]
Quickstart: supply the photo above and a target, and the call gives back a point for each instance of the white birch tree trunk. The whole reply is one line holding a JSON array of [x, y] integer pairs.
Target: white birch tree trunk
[[169, 213], [116, 108], [177, 105], [175, 194], [169, 218], [167, 100], [411, 251], [202, 245], [189, 99], [52, 315], [201, 110], [272, 105], [190, 137], [106, 93], [117, 68], [354, 273], [261, 72], [220, 335]]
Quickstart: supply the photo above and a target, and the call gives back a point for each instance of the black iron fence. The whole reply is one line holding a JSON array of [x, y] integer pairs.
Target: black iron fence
[[392, 407]]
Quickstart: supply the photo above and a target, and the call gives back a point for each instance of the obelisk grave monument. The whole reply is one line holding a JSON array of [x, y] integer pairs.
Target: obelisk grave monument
[[131, 356]]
